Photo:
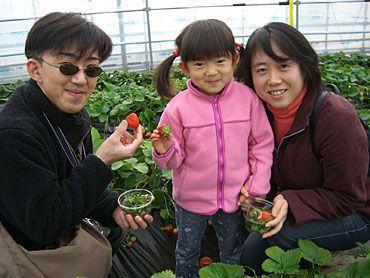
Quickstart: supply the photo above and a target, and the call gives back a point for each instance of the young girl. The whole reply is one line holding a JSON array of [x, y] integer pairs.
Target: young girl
[[221, 141]]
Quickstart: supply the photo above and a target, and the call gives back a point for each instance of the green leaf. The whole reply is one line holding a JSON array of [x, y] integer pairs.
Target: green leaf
[[282, 262], [141, 167], [221, 270], [290, 261], [116, 165], [313, 253], [272, 266], [274, 253], [164, 274], [159, 198]]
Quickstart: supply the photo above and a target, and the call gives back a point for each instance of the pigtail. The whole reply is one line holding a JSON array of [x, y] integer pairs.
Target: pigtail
[[162, 80], [240, 67]]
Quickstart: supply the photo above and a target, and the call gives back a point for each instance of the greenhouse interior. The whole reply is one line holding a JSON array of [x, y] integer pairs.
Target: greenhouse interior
[[143, 33]]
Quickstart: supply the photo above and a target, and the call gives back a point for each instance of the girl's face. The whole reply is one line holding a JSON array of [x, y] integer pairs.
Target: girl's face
[[210, 76], [277, 83]]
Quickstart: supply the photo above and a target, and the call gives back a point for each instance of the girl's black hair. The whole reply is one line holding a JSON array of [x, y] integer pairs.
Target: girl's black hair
[[202, 39], [58, 32], [292, 43]]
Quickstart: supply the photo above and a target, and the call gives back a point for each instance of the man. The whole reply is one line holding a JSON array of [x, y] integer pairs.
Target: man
[[50, 179]]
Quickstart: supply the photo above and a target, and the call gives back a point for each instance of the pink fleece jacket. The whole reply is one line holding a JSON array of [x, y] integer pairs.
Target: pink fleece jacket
[[219, 144]]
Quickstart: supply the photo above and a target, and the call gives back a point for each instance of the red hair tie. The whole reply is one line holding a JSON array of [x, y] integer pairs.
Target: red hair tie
[[176, 52], [238, 46]]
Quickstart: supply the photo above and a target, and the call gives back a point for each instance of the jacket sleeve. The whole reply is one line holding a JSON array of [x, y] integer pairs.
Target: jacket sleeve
[[33, 199], [176, 154], [342, 143], [260, 150]]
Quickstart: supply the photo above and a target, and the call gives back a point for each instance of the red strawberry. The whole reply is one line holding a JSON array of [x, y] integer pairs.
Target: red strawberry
[[164, 131], [148, 135], [265, 216], [205, 261], [133, 121], [168, 230]]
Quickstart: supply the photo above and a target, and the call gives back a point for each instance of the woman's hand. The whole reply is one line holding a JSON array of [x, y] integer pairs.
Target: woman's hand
[[160, 144], [127, 222], [279, 212]]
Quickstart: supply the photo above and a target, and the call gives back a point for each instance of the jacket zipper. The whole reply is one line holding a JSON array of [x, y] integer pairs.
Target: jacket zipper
[[220, 150], [278, 147]]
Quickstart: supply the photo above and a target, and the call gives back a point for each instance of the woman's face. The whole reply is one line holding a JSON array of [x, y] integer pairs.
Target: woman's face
[[277, 83]]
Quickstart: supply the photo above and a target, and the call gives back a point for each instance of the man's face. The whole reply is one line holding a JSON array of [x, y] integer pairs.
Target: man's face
[[68, 93]]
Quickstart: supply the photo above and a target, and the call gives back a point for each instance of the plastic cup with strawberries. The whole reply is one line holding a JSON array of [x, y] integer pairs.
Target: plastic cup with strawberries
[[136, 202], [258, 214]]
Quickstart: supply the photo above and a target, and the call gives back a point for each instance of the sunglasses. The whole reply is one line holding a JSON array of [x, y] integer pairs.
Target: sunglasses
[[70, 69]]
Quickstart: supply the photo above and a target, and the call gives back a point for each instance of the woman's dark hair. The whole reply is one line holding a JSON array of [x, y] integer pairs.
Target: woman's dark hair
[[202, 39], [292, 43], [57, 32]]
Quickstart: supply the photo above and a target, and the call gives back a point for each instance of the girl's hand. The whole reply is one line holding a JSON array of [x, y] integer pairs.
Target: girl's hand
[[244, 199], [280, 212], [160, 144]]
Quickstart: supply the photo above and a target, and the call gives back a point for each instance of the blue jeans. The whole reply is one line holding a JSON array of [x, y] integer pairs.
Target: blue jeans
[[228, 228], [339, 234]]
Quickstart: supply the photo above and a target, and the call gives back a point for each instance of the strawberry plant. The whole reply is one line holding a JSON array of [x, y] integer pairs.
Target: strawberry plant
[[351, 74]]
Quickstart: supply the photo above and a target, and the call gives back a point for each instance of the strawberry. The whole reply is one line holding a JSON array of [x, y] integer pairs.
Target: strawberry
[[205, 261], [169, 229], [265, 216], [148, 135], [133, 121], [164, 131], [175, 231]]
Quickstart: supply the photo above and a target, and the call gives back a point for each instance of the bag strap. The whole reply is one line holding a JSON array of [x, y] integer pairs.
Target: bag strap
[[315, 115], [66, 147], [313, 122]]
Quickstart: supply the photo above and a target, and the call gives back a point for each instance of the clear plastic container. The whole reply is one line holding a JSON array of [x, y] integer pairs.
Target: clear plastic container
[[136, 202], [258, 215]]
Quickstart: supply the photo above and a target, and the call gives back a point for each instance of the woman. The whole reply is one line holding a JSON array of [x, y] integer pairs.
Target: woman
[[326, 200]]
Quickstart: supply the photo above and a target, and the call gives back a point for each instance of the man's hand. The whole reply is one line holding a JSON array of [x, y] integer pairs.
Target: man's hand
[[120, 145], [127, 222]]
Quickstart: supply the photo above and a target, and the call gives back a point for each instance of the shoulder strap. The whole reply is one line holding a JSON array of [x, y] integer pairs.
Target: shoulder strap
[[66, 147], [313, 122], [315, 114]]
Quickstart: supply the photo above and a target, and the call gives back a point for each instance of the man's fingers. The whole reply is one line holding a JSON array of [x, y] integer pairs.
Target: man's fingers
[[119, 130]]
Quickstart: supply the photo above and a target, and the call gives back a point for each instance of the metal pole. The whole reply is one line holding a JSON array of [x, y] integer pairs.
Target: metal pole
[[122, 36], [326, 28], [147, 9], [363, 35], [296, 14]]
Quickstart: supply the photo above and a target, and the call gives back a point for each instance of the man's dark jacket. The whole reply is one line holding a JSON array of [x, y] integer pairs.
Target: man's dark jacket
[[41, 195]]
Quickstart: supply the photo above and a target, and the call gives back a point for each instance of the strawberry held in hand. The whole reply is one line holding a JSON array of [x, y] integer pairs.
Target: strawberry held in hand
[[133, 121], [165, 131]]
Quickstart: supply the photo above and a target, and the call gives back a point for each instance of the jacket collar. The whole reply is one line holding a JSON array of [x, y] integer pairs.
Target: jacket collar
[[226, 90], [302, 118]]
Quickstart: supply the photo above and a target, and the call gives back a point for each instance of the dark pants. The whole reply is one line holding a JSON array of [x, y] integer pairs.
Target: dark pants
[[339, 234], [228, 228]]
